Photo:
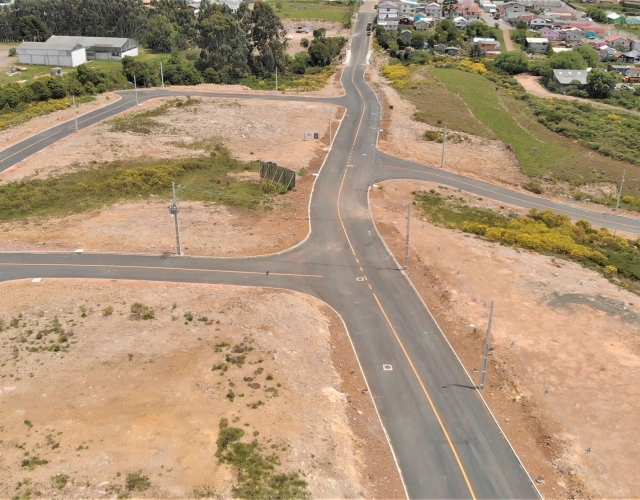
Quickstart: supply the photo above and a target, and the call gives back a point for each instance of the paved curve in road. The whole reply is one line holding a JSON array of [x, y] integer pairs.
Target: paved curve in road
[[446, 442]]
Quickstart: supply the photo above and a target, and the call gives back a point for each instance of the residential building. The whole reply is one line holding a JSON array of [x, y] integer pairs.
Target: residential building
[[387, 9], [619, 68], [619, 42], [538, 45], [487, 45], [569, 76], [405, 20], [389, 23], [409, 7], [572, 35], [75, 50], [633, 20], [425, 23], [633, 75], [461, 23], [488, 7], [433, 10], [635, 44], [540, 22], [512, 10], [633, 56], [553, 35], [452, 51], [615, 18], [471, 12]]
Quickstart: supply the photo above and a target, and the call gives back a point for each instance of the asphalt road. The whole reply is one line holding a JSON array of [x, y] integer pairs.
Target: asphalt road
[[446, 442]]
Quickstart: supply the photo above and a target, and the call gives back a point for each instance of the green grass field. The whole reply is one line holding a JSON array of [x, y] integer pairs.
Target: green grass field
[[311, 9]]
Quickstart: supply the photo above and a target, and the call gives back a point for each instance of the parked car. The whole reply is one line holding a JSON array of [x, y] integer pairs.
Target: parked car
[[302, 29]]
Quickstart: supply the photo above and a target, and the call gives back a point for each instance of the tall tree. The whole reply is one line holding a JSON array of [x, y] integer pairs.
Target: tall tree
[[268, 40], [601, 84], [32, 28], [161, 36]]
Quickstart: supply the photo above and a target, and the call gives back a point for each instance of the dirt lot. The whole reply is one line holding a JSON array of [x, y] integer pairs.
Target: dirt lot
[[5, 61], [20, 132], [119, 395], [333, 29], [245, 127], [563, 385]]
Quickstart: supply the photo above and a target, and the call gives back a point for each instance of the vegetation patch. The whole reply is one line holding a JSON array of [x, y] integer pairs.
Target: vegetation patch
[[541, 231], [256, 471], [109, 183], [338, 10], [143, 123], [26, 111]]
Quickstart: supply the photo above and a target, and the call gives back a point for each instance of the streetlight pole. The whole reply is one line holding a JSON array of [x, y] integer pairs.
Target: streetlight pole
[[75, 114], [135, 85], [276, 78], [161, 74], [330, 139], [620, 191], [444, 142], [486, 349], [406, 248], [173, 210]]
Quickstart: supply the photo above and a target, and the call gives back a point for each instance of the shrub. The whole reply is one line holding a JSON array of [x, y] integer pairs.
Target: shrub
[[433, 135], [137, 482], [107, 311], [304, 42], [610, 270], [12, 52], [535, 187], [140, 311], [59, 481]]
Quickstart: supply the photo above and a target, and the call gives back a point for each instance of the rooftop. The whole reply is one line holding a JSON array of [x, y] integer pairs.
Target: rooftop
[[537, 40], [566, 76]]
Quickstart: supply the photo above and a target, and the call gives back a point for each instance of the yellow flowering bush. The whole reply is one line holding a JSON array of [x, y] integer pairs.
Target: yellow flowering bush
[[398, 74]]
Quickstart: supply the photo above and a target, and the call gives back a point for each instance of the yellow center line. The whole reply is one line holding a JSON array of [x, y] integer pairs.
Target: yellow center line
[[575, 214], [340, 216], [426, 393], [370, 288], [164, 268]]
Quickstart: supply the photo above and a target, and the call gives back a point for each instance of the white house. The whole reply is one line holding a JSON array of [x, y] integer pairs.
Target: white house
[[539, 45], [389, 23], [513, 9], [387, 9], [572, 35], [409, 7], [68, 54], [540, 22], [461, 23], [424, 23], [433, 10]]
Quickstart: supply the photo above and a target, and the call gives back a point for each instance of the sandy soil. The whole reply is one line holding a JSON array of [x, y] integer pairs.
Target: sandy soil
[[206, 229], [5, 61], [562, 385], [333, 29], [20, 132], [123, 395]]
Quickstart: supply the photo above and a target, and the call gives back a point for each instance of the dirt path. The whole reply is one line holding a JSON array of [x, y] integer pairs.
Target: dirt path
[[565, 355], [119, 395], [508, 43], [532, 85]]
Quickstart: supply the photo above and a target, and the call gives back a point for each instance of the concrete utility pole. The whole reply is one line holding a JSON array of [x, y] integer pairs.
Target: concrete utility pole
[[444, 142], [619, 196], [135, 85], [75, 114], [486, 349], [276, 78], [406, 248], [162, 74], [173, 210], [330, 139]]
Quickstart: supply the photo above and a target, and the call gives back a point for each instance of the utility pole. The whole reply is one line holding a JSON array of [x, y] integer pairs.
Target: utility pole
[[406, 248], [173, 210], [75, 114], [486, 349], [276, 78], [619, 196], [161, 74], [135, 85], [444, 142], [330, 139]]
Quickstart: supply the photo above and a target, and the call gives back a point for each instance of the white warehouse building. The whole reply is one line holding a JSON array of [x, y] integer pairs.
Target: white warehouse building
[[72, 51]]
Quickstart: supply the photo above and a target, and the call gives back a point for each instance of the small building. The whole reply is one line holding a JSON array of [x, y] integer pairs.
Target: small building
[[540, 22], [489, 46], [389, 23], [618, 42], [461, 23], [439, 47], [619, 68], [406, 20], [633, 20], [451, 51], [471, 12], [538, 45], [569, 76], [433, 10], [633, 75], [615, 18], [572, 35], [633, 56], [425, 23], [551, 34]]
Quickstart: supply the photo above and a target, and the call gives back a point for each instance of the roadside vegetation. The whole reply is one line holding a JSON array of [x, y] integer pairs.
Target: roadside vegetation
[[338, 10], [542, 231], [108, 183]]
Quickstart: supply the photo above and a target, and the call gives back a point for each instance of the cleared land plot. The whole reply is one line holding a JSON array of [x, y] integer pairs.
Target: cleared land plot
[[95, 398], [564, 356], [122, 206], [311, 9]]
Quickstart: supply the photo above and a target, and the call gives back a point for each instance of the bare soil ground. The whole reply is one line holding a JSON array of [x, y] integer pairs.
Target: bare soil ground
[[333, 29], [24, 130], [5, 61], [270, 130], [565, 353], [120, 395]]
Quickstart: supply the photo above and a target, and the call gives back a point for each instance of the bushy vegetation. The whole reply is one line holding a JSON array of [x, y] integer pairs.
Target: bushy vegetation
[[610, 133], [541, 231], [143, 123], [111, 182], [256, 475], [24, 112]]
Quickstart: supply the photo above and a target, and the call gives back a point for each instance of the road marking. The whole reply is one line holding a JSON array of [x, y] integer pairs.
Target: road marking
[[370, 288], [357, 260], [359, 279], [365, 278], [387, 368], [340, 216], [361, 269], [164, 268], [575, 214], [426, 393]]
